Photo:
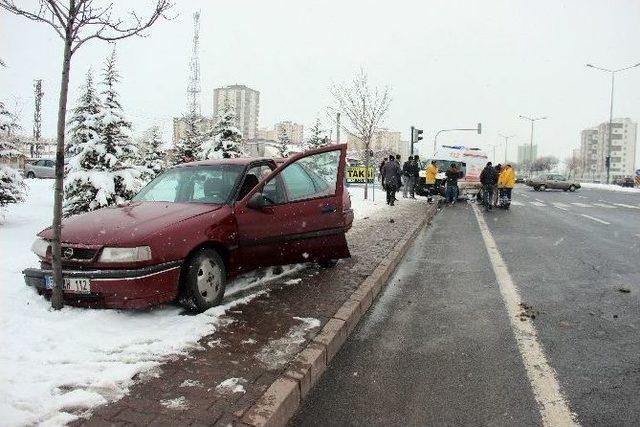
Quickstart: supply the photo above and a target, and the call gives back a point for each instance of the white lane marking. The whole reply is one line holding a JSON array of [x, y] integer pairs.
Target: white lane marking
[[516, 203], [552, 405], [524, 195], [557, 242], [538, 204], [562, 209], [581, 205], [593, 218], [560, 205], [602, 205], [622, 205], [583, 197], [538, 200]]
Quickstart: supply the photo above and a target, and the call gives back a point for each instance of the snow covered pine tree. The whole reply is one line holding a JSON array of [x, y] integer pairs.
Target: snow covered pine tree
[[101, 172], [152, 158], [316, 140], [282, 146], [224, 139], [12, 187]]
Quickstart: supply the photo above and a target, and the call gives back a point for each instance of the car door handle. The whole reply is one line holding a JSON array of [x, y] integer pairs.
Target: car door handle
[[328, 209]]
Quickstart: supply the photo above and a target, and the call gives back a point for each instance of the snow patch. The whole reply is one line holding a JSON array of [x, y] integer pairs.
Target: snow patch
[[609, 187], [191, 383], [231, 386], [276, 354], [178, 404]]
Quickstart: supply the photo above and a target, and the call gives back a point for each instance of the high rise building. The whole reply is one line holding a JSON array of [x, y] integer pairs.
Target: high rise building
[[526, 153], [594, 148], [295, 131], [383, 140], [246, 104]]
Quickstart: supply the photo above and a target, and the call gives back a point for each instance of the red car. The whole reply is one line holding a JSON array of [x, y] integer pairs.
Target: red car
[[198, 225]]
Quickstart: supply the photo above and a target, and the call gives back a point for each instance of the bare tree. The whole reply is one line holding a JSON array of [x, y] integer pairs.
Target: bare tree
[[544, 163], [76, 22], [573, 165], [365, 109]]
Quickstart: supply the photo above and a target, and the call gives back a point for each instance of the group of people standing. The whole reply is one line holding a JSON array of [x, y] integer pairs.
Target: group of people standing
[[395, 177], [497, 183]]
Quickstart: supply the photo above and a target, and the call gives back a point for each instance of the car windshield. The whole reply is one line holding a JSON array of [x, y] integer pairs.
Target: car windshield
[[197, 184]]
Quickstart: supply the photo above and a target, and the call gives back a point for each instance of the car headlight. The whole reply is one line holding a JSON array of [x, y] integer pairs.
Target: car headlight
[[40, 247], [140, 253]]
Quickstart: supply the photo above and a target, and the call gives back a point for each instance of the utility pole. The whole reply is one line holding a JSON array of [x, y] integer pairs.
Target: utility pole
[[532, 120], [337, 128], [613, 76], [37, 118], [506, 141]]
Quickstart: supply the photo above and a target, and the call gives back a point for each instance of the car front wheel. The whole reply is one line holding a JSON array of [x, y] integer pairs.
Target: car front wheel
[[572, 188], [204, 280], [542, 188], [31, 175]]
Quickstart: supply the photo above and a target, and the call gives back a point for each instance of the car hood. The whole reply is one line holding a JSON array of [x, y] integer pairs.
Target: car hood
[[126, 225]]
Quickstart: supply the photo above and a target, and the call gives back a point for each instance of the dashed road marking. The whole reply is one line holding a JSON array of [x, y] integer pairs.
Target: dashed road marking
[[524, 195], [560, 205], [552, 405], [581, 205], [538, 200], [602, 205], [538, 204], [516, 203], [622, 205], [593, 218]]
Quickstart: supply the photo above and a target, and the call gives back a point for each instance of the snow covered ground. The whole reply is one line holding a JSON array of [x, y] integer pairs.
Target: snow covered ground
[[56, 364], [364, 208], [609, 187]]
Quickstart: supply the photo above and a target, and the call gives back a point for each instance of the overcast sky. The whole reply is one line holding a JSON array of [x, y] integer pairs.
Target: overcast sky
[[449, 63]]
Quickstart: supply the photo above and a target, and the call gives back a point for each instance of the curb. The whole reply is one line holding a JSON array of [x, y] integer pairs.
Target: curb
[[281, 400]]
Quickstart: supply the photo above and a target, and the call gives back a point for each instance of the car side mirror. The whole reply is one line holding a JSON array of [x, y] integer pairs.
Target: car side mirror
[[257, 202]]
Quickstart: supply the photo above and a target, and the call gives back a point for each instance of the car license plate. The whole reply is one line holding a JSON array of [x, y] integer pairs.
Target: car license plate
[[74, 285]]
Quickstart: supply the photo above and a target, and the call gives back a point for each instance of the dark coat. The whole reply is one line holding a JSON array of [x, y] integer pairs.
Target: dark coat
[[390, 173], [488, 176]]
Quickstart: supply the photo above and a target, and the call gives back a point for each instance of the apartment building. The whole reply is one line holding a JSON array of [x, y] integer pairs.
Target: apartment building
[[245, 102], [594, 149]]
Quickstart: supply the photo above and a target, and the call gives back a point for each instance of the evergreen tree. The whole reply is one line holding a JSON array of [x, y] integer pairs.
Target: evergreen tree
[[151, 156], [316, 139], [12, 187], [190, 142], [99, 172], [283, 143], [224, 139], [116, 130]]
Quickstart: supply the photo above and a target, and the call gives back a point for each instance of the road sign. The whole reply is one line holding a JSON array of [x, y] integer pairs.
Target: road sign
[[358, 174]]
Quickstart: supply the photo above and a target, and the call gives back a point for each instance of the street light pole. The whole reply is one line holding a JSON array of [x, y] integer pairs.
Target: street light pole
[[532, 120], [435, 138], [613, 77], [506, 141]]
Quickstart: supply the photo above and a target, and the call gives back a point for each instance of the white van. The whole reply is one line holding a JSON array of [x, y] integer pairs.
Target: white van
[[470, 160]]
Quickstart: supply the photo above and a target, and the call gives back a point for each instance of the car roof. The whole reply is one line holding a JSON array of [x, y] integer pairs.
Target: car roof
[[242, 161]]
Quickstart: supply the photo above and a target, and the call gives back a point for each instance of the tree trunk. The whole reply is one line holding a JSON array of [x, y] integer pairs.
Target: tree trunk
[[57, 301], [366, 169]]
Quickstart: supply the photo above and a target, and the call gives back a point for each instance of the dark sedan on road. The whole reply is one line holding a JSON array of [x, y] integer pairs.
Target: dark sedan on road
[[552, 181], [199, 224]]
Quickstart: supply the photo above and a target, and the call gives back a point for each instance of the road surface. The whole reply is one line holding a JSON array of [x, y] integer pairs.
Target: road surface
[[440, 347]]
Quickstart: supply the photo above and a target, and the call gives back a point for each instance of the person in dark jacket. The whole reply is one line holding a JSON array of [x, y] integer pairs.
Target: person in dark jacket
[[488, 179], [390, 173], [494, 196], [380, 172], [453, 174], [406, 172], [398, 158], [414, 175]]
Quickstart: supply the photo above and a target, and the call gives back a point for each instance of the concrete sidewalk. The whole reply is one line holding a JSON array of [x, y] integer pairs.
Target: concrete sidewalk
[[243, 362]]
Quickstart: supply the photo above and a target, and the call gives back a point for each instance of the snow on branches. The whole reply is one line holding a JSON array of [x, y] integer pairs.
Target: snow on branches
[[101, 169], [12, 187], [152, 159], [224, 139]]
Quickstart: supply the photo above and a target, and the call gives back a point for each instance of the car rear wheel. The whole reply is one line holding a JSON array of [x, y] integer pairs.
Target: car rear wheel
[[542, 188], [31, 175], [204, 280], [572, 188]]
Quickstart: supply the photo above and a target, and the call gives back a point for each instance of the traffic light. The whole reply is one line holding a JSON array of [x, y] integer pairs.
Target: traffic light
[[607, 162], [418, 135], [479, 128]]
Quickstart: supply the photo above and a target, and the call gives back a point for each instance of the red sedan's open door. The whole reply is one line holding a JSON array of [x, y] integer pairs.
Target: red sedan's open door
[[296, 214]]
